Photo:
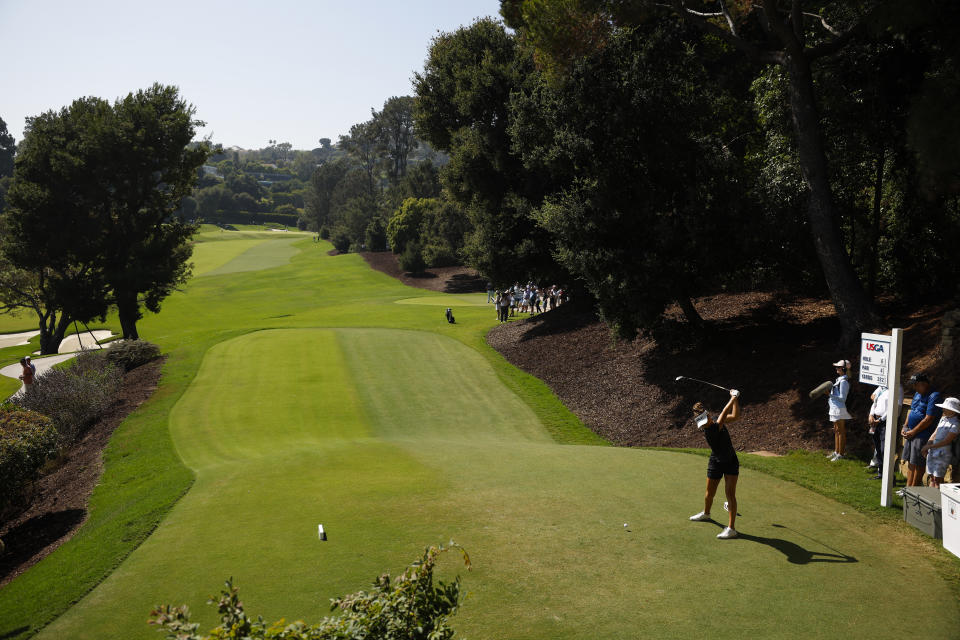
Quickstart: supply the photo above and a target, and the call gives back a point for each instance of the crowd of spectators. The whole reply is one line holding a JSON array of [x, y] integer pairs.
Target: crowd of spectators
[[518, 299], [930, 431]]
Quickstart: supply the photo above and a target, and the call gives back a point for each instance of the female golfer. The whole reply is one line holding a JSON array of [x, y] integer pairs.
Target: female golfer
[[837, 409], [723, 461]]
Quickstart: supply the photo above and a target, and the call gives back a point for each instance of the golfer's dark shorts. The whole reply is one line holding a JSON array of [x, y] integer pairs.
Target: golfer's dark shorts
[[719, 467], [911, 452]]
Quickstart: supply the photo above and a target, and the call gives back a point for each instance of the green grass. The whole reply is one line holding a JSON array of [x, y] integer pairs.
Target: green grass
[[308, 392], [18, 322]]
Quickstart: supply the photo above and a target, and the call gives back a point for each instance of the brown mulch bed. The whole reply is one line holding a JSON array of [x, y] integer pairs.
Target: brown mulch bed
[[443, 279], [59, 505], [773, 347]]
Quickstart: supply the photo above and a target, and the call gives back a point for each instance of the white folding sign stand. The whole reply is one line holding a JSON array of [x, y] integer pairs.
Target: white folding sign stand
[[880, 365]]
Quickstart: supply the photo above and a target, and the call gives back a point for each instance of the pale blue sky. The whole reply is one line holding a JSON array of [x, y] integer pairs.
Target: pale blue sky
[[290, 70]]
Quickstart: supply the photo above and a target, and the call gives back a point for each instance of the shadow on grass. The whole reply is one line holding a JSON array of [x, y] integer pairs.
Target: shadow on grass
[[794, 553], [26, 539], [13, 634]]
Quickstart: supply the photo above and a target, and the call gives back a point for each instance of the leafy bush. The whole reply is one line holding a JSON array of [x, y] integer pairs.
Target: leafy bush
[[75, 396], [376, 235], [439, 254], [130, 354], [411, 608], [324, 233], [341, 241], [411, 260], [27, 441]]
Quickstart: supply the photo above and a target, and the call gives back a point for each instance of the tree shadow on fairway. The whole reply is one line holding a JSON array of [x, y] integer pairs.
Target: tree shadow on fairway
[[795, 553]]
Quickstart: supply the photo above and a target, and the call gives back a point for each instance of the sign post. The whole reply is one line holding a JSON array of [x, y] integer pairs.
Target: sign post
[[880, 357]]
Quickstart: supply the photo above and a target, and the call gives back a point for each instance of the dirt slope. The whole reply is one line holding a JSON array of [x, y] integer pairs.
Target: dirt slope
[[772, 346]]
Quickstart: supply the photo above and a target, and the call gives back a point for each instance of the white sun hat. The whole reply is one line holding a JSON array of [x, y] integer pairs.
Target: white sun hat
[[842, 363], [951, 404]]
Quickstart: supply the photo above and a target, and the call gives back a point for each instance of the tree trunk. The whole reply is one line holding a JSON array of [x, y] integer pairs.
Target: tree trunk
[[875, 231], [854, 309], [128, 309], [690, 311], [52, 332]]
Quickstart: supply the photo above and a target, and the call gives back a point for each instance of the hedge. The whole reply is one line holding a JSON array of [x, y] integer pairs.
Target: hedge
[[27, 441]]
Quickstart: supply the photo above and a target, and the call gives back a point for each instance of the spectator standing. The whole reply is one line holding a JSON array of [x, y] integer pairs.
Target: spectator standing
[[938, 449], [877, 421], [505, 300], [837, 409], [490, 292], [28, 374], [924, 414]]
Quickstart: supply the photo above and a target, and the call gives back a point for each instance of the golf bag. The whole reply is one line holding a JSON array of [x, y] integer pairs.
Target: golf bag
[[450, 317]]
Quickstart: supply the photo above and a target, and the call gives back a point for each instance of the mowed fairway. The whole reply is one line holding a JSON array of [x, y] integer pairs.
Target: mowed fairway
[[309, 396]]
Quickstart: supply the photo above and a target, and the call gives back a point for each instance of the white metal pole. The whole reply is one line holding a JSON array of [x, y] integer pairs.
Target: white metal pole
[[894, 406]]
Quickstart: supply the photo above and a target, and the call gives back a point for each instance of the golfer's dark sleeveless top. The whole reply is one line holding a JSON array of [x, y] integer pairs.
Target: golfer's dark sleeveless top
[[719, 440]]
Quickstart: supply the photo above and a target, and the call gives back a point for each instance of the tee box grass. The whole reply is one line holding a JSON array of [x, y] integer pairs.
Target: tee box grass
[[300, 389]]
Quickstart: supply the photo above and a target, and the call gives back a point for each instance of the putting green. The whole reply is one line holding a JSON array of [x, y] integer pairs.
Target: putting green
[[462, 300], [393, 439]]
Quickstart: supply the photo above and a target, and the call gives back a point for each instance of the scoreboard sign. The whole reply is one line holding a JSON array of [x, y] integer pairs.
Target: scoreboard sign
[[875, 359]]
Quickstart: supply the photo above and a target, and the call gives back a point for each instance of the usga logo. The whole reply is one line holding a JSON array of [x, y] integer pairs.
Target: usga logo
[[873, 346]]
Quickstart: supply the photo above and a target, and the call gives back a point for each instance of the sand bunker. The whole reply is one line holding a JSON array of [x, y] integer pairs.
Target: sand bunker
[[16, 339], [73, 343]]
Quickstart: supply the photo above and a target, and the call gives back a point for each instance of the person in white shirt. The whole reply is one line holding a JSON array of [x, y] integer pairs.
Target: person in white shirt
[[877, 421], [938, 449], [837, 409]]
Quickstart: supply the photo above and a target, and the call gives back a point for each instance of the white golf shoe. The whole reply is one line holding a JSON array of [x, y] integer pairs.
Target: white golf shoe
[[700, 517], [727, 533]]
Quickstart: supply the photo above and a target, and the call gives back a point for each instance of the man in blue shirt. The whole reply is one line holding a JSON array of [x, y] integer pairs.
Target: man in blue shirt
[[921, 421]]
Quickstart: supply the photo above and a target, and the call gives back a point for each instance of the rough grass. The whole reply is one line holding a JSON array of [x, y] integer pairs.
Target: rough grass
[[286, 428]]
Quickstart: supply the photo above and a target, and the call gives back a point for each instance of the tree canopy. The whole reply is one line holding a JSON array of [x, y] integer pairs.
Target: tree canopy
[[92, 206]]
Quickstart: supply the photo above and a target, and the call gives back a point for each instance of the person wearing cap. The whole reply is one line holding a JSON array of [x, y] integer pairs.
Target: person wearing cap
[[937, 449], [924, 413], [837, 409], [723, 461]]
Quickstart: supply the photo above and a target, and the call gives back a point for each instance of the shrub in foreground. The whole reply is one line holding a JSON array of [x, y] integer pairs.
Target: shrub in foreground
[[74, 396], [411, 608], [130, 354], [27, 441]]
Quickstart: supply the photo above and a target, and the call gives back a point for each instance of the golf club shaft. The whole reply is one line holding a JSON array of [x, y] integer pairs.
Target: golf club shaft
[[705, 382]]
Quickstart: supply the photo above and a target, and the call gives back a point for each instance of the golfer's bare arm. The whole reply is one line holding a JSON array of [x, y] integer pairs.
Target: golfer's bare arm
[[731, 412]]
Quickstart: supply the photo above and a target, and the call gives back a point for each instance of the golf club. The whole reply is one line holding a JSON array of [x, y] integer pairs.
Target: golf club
[[679, 378]]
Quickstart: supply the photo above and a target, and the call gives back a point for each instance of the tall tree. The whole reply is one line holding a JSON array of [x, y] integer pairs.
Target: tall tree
[[97, 189], [51, 225], [153, 167], [644, 205], [776, 33], [319, 201], [8, 148], [463, 103], [395, 123]]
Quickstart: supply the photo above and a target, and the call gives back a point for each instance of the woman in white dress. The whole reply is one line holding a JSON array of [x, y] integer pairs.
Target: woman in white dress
[[837, 409]]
